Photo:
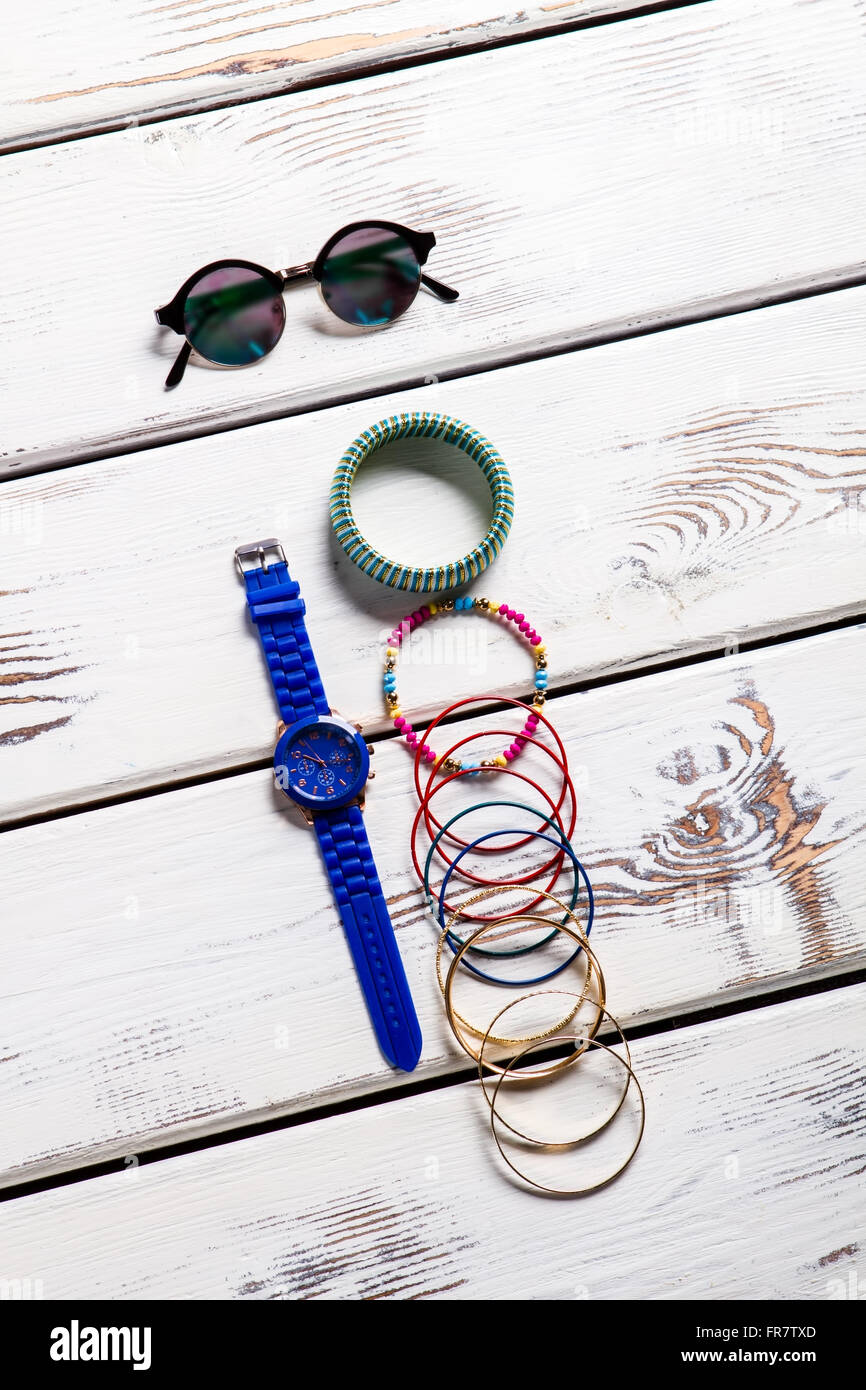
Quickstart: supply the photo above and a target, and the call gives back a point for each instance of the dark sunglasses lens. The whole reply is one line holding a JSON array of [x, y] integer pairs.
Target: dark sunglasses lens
[[233, 315], [370, 276]]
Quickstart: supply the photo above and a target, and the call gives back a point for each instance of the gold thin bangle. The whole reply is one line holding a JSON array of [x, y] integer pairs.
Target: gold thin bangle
[[467, 1027], [454, 1019], [446, 987], [568, 1191], [530, 890], [538, 1076]]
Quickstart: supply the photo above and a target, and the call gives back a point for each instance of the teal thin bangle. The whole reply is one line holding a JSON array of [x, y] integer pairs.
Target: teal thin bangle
[[419, 579], [428, 891]]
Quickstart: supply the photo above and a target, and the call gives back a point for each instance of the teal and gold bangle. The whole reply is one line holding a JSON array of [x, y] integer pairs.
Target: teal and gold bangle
[[419, 579]]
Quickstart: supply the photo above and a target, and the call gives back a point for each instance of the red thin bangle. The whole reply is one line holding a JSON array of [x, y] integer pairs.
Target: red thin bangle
[[461, 704], [433, 826], [505, 916]]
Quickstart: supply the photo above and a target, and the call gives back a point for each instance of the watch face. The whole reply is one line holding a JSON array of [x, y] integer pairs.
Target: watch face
[[321, 762]]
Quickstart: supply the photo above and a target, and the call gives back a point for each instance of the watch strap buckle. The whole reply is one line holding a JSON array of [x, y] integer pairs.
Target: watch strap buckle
[[258, 550]]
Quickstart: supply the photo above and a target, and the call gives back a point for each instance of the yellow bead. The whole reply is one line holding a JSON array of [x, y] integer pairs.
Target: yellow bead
[[434, 609], [501, 760], [540, 649], [395, 713], [390, 651]]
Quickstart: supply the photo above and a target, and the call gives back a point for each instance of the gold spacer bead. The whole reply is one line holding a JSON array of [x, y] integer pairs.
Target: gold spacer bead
[[483, 603], [450, 765], [448, 605], [539, 698], [541, 662]]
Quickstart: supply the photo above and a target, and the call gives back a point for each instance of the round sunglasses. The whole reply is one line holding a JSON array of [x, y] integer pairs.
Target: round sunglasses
[[232, 312]]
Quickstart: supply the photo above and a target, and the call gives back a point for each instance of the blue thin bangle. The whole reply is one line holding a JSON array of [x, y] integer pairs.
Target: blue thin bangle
[[537, 835], [483, 806]]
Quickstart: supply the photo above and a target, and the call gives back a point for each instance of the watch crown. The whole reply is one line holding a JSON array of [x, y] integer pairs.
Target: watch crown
[[370, 749]]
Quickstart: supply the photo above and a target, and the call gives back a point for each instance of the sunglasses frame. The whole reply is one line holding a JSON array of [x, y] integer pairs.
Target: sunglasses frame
[[171, 315]]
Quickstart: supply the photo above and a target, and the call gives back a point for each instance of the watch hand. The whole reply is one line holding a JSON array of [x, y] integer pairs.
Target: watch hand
[[311, 754]]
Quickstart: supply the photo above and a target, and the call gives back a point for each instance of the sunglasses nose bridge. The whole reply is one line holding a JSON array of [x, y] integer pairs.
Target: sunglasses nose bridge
[[296, 272]]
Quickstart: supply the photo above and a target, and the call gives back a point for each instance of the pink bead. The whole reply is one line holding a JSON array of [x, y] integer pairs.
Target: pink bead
[[518, 617], [425, 614], [509, 754], [520, 741], [524, 626], [515, 749], [399, 722], [503, 609], [429, 755], [532, 721], [412, 740]]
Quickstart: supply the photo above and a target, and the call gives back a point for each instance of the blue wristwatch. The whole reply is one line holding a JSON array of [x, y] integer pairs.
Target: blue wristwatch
[[322, 764]]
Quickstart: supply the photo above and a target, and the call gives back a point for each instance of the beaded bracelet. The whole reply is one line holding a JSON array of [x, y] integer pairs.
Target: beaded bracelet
[[418, 578], [465, 603]]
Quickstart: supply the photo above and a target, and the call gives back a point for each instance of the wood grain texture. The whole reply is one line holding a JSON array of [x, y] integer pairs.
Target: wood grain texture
[[581, 186], [65, 74], [748, 1185], [164, 979], [675, 494]]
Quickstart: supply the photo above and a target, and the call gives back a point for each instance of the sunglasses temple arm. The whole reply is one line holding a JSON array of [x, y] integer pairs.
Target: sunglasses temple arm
[[179, 367], [441, 291]]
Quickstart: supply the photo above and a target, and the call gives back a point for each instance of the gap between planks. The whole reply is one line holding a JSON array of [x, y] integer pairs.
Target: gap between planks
[[578, 687], [731, 1008], [747, 1185], [407, 50]]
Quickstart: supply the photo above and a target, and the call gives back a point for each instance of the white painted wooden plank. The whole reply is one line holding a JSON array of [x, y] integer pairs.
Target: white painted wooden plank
[[68, 68], [675, 493], [581, 185], [748, 1185], [173, 966]]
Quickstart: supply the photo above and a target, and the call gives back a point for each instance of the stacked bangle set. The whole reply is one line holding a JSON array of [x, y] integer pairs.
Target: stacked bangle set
[[546, 819]]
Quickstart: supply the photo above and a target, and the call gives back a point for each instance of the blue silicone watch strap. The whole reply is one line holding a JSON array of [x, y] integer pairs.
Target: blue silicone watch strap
[[278, 611], [369, 931]]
